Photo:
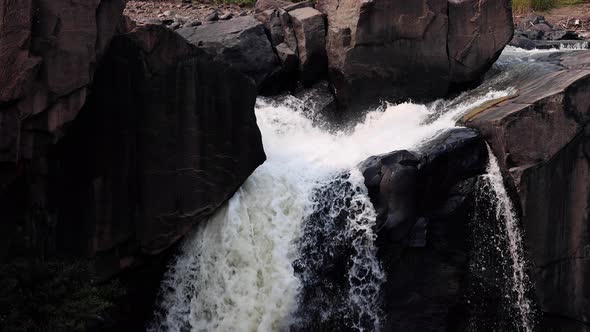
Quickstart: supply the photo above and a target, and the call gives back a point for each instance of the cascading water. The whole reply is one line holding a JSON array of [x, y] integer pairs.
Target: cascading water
[[498, 242], [260, 263]]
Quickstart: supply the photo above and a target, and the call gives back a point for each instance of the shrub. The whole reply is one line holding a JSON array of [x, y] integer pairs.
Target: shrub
[[528, 5]]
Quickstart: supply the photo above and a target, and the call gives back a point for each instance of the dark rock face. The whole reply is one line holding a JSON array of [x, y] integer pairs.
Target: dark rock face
[[240, 43], [541, 139], [478, 32], [422, 200], [384, 48], [48, 54], [166, 138]]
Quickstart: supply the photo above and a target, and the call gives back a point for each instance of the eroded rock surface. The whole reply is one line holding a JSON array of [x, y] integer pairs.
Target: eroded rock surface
[[240, 43], [541, 138], [167, 137], [424, 201], [385, 48], [49, 50]]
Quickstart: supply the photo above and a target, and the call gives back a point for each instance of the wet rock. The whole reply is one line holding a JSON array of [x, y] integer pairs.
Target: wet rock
[[240, 43], [308, 25], [396, 180], [523, 42], [540, 138], [423, 199]]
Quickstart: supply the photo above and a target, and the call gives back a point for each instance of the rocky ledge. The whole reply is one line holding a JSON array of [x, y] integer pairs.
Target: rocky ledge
[[541, 138]]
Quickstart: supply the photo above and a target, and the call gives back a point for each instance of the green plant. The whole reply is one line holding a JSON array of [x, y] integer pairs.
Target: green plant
[[528, 5]]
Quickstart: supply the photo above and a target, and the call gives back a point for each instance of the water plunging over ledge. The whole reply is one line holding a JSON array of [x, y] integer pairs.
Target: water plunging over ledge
[[256, 260]]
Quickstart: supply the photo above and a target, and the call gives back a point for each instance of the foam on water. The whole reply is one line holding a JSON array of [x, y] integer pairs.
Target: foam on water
[[237, 269]]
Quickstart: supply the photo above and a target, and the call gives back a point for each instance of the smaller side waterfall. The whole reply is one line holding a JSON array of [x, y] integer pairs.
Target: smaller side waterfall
[[498, 264]]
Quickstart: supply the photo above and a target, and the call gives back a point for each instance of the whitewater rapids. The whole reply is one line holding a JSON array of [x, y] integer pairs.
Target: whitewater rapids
[[237, 269]]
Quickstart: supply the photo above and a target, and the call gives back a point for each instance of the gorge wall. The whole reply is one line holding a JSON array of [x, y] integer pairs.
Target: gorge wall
[[540, 137], [162, 135]]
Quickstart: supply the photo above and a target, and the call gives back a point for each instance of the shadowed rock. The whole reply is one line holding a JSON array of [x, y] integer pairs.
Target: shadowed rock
[[423, 200], [167, 137]]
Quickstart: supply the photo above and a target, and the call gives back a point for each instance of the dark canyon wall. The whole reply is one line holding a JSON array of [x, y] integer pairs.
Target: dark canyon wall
[[49, 50], [162, 135], [167, 136]]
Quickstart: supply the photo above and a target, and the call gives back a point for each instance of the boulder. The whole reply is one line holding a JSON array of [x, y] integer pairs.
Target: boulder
[[166, 138], [385, 48], [240, 43], [478, 32], [310, 32], [541, 138], [523, 42], [406, 185], [424, 201]]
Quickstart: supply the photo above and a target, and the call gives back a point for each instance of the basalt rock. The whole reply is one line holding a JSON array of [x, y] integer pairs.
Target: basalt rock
[[541, 138], [384, 48], [478, 32], [423, 201], [240, 43], [310, 31], [405, 186], [167, 137], [49, 50]]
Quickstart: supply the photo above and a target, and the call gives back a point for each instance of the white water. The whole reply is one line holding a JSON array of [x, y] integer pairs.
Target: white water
[[236, 270], [506, 216]]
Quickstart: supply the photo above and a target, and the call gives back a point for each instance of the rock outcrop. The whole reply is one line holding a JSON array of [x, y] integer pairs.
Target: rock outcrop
[[424, 201], [541, 138], [310, 31], [240, 43], [167, 136], [385, 48], [49, 51], [478, 32], [297, 33], [48, 54]]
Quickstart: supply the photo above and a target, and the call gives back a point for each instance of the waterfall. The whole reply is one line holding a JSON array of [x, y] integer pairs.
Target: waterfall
[[255, 262], [498, 253], [294, 248]]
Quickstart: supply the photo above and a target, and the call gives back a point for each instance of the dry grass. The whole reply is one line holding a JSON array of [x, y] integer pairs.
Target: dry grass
[[521, 6]]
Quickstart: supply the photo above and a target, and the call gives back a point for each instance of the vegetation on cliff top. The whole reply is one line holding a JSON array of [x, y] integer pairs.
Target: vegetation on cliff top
[[528, 5]]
